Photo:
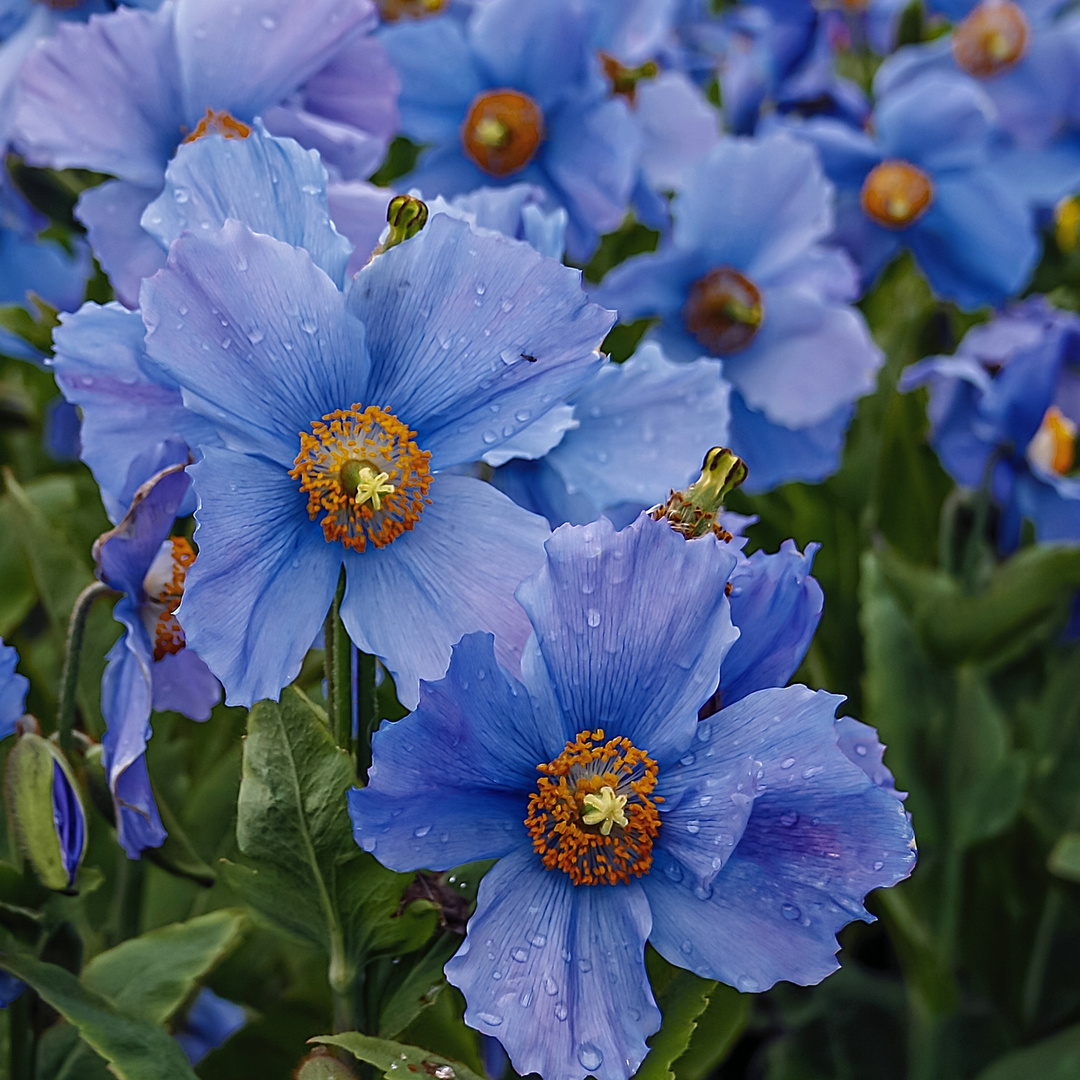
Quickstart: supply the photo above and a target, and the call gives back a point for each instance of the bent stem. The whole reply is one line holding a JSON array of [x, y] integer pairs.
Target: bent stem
[[69, 680]]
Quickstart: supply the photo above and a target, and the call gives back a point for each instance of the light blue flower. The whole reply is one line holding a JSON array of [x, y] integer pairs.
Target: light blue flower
[[744, 276], [441, 349], [738, 846]]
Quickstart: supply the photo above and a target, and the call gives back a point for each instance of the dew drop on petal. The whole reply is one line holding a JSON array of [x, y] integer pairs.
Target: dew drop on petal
[[421, 830], [561, 1012], [790, 911], [590, 1056], [491, 1019], [520, 955]]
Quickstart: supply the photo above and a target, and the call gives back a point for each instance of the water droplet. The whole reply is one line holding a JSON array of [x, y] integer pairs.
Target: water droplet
[[507, 305], [526, 999], [520, 955], [268, 22], [181, 195], [789, 819], [878, 865], [693, 827], [421, 830], [813, 770], [787, 763], [538, 941], [592, 617], [241, 264], [444, 1072], [860, 749], [590, 1056], [551, 987], [687, 947], [522, 416], [491, 1019], [584, 964], [688, 759], [255, 336], [790, 911], [496, 975], [308, 325], [704, 731], [746, 984], [561, 1011], [183, 309], [704, 800], [490, 437], [481, 288], [673, 871]]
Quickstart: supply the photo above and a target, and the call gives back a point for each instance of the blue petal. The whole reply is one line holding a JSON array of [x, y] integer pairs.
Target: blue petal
[[538, 439], [454, 573], [450, 783], [245, 57], [184, 684], [69, 820], [860, 743], [272, 185], [209, 1022], [256, 596], [643, 428], [821, 835], [776, 605], [556, 972], [111, 213], [537, 487], [358, 210], [631, 628], [256, 335], [1052, 504], [775, 203], [103, 96], [450, 317], [654, 284], [13, 690], [679, 128]]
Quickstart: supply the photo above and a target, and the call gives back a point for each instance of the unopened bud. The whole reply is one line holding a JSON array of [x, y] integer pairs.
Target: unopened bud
[[320, 1065], [47, 812], [695, 511], [406, 215]]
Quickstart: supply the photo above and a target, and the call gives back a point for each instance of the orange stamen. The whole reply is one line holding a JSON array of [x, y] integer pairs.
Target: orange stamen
[[724, 311], [219, 123], [1054, 444], [362, 471], [392, 10], [557, 811], [896, 193], [992, 39], [502, 131], [168, 633]]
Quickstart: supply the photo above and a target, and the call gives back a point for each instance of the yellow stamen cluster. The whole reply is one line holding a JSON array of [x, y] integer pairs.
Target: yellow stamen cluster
[[592, 815], [1054, 445], [362, 471], [168, 633], [219, 123]]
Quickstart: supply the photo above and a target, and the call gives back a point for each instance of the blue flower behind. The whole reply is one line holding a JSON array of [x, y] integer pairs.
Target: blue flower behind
[[737, 845], [1009, 402], [150, 666], [744, 277], [13, 689], [209, 1022]]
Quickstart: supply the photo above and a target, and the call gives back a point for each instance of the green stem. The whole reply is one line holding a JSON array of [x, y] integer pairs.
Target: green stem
[[21, 1037], [367, 712], [976, 541], [1040, 955], [69, 680], [338, 680]]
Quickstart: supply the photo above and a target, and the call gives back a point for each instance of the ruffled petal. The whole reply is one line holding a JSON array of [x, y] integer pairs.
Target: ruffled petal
[[654, 284], [472, 336], [256, 596], [450, 783], [257, 337], [631, 628], [245, 57], [679, 128], [184, 684], [104, 95], [821, 835], [271, 185], [453, 574], [776, 605], [538, 439], [556, 972], [350, 153]]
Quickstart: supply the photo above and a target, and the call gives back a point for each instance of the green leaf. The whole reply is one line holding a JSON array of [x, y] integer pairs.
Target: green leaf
[[397, 1060], [1064, 860], [420, 988], [718, 1029], [683, 1000], [134, 1048], [36, 329], [1056, 1058], [151, 976]]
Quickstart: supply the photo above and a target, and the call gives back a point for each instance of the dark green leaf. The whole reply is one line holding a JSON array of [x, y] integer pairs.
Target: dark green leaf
[[683, 1000], [397, 1060], [718, 1029], [420, 988], [1064, 860], [1056, 1058]]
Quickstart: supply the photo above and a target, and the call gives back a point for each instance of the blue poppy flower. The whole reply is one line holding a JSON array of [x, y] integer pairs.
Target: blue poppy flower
[[516, 94], [13, 689], [738, 845], [336, 416], [630, 435], [1007, 407], [119, 93], [744, 277], [927, 181], [150, 666], [208, 1024]]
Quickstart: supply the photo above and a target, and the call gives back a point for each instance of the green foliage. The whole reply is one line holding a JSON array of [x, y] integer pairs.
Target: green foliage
[[681, 1003], [396, 1060]]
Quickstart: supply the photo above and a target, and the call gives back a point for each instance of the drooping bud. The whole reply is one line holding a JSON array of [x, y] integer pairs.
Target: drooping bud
[[320, 1065], [724, 311], [502, 131], [406, 215], [47, 812], [696, 511], [896, 194], [992, 39]]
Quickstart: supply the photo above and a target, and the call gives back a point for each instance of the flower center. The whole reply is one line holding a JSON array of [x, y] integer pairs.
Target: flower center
[[896, 193], [392, 10], [591, 814], [364, 474], [219, 123], [164, 586], [724, 311], [1054, 445], [502, 131], [991, 39]]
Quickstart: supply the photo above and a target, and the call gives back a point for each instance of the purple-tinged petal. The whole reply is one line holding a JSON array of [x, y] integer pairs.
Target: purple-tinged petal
[[358, 210], [556, 972], [472, 336], [103, 95], [618, 650], [776, 605], [679, 128], [821, 835], [257, 337], [860, 743], [256, 596], [13, 688], [184, 684], [536, 486], [351, 154], [454, 573], [653, 284], [112, 215]]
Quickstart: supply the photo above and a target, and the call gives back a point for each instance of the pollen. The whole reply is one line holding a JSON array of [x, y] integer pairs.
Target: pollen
[[502, 131], [1054, 445], [165, 589], [593, 814], [896, 194], [219, 123], [724, 311], [992, 39], [364, 476], [392, 10]]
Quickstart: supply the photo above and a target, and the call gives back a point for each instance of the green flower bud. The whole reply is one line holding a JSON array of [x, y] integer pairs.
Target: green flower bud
[[406, 216], [694, 512], [320, 1065]]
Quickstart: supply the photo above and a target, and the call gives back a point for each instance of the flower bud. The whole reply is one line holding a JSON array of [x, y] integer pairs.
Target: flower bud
[[695, 511], [406, 216], [47, 812], [320, 1065]]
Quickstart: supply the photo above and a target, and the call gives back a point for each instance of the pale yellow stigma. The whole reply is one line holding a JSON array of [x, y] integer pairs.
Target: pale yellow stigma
[[605, 808], [371, 487], [1054, 445]]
